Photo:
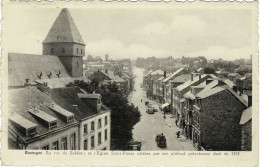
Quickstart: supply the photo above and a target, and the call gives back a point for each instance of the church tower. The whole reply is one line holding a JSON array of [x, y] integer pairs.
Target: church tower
[[64, 40]]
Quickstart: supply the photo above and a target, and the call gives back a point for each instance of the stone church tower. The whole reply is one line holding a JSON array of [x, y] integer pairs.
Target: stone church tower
[[64, 40]]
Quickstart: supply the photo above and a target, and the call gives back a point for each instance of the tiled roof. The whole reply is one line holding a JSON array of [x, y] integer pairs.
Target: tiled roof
[[182, 78], [64, 30], [23, 99], [173, 74], [28, 66], [246, 116], [91, 96]]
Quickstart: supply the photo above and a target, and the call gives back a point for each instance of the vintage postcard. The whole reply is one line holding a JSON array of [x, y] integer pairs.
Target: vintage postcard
[[129, 84]]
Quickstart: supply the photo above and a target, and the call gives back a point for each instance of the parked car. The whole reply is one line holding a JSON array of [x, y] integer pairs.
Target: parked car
[[153, 108], [150, 111]]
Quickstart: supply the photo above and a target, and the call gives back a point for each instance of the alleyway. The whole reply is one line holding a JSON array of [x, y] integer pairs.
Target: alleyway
[[152, 124]]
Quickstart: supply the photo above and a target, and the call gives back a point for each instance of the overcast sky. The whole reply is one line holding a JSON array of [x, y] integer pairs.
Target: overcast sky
[[132, 33]]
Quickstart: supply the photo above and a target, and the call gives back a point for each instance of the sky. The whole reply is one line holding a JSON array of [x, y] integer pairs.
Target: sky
[[138, 32]]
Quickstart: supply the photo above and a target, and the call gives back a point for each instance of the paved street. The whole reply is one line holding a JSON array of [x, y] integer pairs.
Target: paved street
[[152, 124]]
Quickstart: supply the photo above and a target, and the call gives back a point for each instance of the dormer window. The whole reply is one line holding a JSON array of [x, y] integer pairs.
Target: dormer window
[[52, 50], [70, 118], [63, 50], [53, 124]]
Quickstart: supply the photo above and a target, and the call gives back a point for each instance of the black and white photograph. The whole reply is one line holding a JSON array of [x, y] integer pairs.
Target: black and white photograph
[[139, 78]]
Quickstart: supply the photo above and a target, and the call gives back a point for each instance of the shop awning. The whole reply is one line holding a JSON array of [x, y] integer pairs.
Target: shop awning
[[164, 105]]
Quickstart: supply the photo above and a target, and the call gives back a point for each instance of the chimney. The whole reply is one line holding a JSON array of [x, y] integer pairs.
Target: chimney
[[191, 76], [199, 76], [235, 88], [208, 81], [249, 103], [164, 74]]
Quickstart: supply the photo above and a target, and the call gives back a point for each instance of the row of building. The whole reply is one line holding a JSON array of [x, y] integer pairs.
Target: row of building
[[44, 113], [213, 111]]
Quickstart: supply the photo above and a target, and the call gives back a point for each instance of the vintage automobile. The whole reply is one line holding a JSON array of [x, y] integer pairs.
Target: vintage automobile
[[134, 145], [153, 108], [161, 141], [150, 111]]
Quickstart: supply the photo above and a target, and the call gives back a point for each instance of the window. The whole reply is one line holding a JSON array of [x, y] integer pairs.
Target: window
[[92, 126], [64, 143], [105, 120], [106, 134], [77, 50], [99, 123], [46, 147], [73, 141], [81, 51], [31, 131], [52, 50], [99, 138], [63, 50], [86, 144], [70, 118], [55, 145], [77, 63], [92, 142], [53, 124], [86, 128]]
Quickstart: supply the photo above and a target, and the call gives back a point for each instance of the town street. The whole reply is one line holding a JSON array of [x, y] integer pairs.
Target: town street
[[152, 124]]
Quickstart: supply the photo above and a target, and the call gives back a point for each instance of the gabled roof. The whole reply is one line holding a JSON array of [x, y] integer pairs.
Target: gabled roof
[[159, 72], [112, 76], [182, 78], [210, 92], [246, 116], [173, 74], [64, 30], [190, 82]]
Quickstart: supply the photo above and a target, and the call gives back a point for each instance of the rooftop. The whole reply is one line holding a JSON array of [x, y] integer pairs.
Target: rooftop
[[24, 99], [173, 74], [64, 30], [182, 78]]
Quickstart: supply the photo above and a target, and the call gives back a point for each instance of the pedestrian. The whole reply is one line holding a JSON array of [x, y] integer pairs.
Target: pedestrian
[[176, 122], [141, 100]]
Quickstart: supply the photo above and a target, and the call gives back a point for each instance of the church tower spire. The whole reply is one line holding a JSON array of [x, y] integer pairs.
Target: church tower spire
[[65, 41]]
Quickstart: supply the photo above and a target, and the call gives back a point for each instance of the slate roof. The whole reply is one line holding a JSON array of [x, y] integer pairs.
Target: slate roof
[[64, 30], [182, 78], [190, 82], [246, 116], [210, 92], [159, 72], [113, 77], [23, 99], [68, 99], [29, 66], [173, 74]]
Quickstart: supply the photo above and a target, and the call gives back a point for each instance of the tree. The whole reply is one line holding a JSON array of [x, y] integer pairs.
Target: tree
[[208, 70], [123, 115]]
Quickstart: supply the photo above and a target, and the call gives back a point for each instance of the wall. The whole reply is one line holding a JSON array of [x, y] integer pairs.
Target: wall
[[219, 121], [247, 136], [83, 136], [55, 137]]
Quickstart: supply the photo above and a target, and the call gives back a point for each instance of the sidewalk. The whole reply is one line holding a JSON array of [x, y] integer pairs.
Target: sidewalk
[[186, 144]]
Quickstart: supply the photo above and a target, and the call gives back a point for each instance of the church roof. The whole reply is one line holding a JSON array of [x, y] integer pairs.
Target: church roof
[[29, 66], [64, 30]]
